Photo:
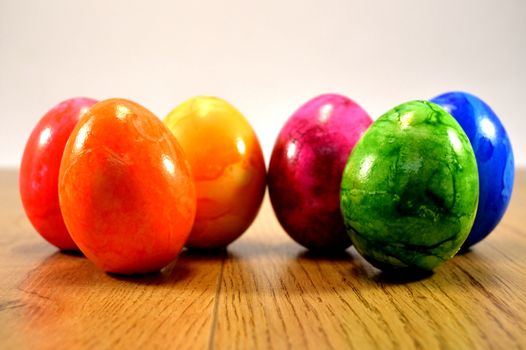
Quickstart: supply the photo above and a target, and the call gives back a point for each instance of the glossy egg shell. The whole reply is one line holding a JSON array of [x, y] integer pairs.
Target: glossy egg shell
[[410, 188], [306, 169], [39, 169], [125, 189], [494, 158], [228, 168]]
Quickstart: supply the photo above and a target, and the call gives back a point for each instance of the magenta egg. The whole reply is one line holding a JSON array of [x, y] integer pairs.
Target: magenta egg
[[306, 169]]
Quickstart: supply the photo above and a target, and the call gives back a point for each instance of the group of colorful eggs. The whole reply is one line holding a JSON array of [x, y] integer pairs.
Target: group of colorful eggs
[[409, 190]]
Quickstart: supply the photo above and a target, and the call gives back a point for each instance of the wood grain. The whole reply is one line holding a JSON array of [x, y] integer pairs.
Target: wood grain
[[274, 294], [264, 292], [54, 300]]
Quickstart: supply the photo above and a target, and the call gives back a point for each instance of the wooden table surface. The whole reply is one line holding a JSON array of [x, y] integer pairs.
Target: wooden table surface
[[264, 292]]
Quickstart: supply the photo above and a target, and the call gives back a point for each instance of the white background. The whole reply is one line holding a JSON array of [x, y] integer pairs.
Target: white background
[[265, 57]]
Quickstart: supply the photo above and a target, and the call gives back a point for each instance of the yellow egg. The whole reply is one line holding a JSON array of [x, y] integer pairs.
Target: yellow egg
[[227, 165]]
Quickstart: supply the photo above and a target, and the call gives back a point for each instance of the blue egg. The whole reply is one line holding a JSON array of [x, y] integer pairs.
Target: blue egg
[[494, 158]]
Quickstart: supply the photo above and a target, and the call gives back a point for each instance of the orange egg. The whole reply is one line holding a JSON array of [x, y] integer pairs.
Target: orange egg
[[125, 189], [227, 165]]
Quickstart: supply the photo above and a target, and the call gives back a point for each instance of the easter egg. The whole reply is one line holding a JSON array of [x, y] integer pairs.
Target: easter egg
[[38, 177], [227, 166], [306, 169], [125, 189], [410, 188], [494, 158]]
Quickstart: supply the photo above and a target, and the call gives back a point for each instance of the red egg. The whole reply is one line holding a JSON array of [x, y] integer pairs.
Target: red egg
[[125, 188], [38, 179]]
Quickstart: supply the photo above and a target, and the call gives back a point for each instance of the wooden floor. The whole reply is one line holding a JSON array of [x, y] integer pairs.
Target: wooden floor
[[264, 292]]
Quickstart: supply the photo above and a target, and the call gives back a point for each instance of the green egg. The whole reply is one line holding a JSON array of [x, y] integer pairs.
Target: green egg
[[410, 188]]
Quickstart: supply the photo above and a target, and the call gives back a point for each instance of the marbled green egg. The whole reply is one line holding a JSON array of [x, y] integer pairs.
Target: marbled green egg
[[410, 188]]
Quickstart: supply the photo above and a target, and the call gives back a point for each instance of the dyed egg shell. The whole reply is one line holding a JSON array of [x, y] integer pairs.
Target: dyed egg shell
[[125, 189], [494, 158], [227, 165], [38, 179], [410, 188], [306, 169]]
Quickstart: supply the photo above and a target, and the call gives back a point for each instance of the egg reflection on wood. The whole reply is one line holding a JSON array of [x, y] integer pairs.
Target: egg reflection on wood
[[227, 165], [306, 168], [494, 158], [410, 188]]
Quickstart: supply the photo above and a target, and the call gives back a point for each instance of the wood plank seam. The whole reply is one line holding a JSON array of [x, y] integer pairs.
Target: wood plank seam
[[213, 325]]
